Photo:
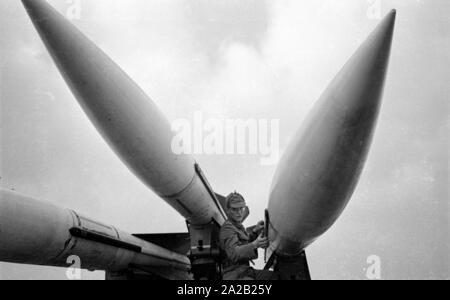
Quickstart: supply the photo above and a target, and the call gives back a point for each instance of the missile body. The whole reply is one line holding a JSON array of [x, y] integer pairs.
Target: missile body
[[320, 169], [39, 233], [127, 119]]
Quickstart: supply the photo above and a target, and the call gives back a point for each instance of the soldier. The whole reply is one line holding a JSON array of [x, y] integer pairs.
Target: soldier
[[240, 245]]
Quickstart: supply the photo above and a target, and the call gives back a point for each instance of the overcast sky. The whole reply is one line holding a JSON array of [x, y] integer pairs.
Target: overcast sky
[[241, 59]]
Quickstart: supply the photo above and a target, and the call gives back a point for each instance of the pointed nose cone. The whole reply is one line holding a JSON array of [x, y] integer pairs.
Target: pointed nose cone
[[359, 84], [383, 33], [44, 18], [321, 167], [35, 9]]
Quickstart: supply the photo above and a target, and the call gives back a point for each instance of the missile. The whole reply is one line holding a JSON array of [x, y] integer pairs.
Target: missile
[[125, 116], [320, 169], [39, 233]]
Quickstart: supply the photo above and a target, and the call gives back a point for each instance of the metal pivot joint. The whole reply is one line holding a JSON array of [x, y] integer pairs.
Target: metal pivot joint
[[205, 254], [292, 268]]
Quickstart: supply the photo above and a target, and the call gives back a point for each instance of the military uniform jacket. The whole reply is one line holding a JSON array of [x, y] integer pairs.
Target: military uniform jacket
[[236, 242]]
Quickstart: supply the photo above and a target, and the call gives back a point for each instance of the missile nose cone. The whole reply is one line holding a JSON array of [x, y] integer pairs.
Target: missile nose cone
[[393, 13], [368, 69], [319, 171], [35, 9], [386, 28]]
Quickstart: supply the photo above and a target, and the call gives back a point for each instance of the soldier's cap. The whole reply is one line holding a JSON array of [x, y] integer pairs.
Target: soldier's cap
[[235, 200]]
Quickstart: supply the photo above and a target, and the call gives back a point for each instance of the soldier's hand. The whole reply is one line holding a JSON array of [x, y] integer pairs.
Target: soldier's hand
[[259, 227], [261, 242]]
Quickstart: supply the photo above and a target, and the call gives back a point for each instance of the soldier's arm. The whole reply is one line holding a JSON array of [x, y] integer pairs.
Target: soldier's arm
[[255, 231], [235, 251]]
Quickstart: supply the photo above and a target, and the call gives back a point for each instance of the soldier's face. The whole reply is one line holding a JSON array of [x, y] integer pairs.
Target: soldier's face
[[236, 214]]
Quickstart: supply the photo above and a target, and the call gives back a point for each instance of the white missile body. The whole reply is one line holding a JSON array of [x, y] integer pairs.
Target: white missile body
[[125, 116], [39, 233], [320, 169]]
